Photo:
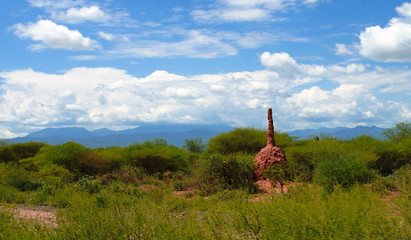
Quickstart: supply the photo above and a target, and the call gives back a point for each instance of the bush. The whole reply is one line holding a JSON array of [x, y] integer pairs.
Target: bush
[[91, 163], [342, 169], [7, 155], [226, 172], [14, 175], [88, 184], [195, 145], [247, 140], [66, 155], [156, 158], [26, 150]]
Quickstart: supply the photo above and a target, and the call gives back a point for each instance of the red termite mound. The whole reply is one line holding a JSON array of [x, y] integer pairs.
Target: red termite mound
[[269, 155]]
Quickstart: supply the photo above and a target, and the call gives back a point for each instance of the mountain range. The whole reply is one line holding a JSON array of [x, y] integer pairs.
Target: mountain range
[[175, 134]]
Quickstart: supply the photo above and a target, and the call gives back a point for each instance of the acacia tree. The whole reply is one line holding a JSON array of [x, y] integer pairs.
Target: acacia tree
[[195, 145], [400, 131]]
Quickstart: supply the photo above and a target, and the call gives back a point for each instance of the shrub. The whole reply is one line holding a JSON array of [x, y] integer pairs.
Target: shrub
[[88, 184], [26, 150], [66, 155], [156, 158], [342, 169], [219, 172], [91, 163], [247, 140], [7, 155], [14, 175], [279, 172], [195, 145]]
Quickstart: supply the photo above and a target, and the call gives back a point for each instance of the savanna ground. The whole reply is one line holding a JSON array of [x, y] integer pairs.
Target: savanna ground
[[354, 189]]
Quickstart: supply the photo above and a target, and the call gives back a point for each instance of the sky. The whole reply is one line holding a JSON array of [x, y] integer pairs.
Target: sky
[[121, 63]]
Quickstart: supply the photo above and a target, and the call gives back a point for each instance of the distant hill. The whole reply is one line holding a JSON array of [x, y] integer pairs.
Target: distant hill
[[342, 133], [175, 134]]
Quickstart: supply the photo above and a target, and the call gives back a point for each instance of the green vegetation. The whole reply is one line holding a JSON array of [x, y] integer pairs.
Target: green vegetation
[[354, 189]]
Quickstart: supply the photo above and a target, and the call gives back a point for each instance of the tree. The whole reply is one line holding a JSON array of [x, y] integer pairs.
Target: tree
[[279, 172], [400, 131], [195, 145]]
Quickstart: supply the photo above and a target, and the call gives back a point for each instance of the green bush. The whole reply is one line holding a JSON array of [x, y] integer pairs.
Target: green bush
[[156, 158], [7, 155], [66, 155], [88, 184], [14, 175], [247, 140], [26, 150], [91, 163], [219, 172], [195, 145], [392, 157], [343, 169]]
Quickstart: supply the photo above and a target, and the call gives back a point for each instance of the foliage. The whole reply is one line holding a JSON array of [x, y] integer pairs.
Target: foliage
[[156, 157], [279, 172], [14, 175], [88, 184], [219, 172], [91, 163], [399, 132], [66, 155], [247, 140], [195, 145], [343, 169], [7, 155], [26, 150]]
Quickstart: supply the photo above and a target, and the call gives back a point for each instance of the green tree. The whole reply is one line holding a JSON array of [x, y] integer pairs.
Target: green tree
[[195, 145], [279, 172], [400, 131]]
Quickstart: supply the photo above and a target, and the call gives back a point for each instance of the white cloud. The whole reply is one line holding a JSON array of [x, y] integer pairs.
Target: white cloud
[[52, 4], [79, 15], [392, 43], [231, 15], [188, 43], [341, 49], [107, 97], [245, 10], [106, 36], [51, 35]]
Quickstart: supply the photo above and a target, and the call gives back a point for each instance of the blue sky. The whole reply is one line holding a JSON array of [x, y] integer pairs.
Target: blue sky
[[116, 64]]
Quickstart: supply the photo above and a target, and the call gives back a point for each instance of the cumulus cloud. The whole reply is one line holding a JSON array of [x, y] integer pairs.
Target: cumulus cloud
[[79, 15], [110, 97], [52, 35], [391, 43]]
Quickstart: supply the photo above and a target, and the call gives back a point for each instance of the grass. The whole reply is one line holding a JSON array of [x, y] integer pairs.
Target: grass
[[303, 213]]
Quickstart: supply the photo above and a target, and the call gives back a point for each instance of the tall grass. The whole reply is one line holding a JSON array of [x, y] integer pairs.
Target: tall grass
[[304, 213]]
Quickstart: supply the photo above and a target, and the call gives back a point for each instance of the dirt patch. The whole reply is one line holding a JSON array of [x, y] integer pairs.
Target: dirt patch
[[44, 214]]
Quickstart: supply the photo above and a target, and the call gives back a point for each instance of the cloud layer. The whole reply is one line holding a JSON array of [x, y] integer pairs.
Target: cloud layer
[[107, 97]]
